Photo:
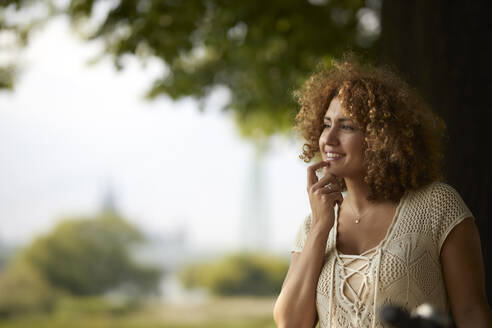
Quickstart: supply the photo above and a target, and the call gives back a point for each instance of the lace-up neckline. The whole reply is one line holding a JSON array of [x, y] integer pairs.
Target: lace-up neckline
[[381, 242], [404, 268], [355, 271]]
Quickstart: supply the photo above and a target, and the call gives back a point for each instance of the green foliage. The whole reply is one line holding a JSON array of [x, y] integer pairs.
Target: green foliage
[[17, 19], [91, 256], [23, 290], [259, 50], [238, 274]]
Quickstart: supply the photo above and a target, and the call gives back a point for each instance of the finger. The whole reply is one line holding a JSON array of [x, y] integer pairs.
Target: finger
[[329, 188], [339, 198], [327, 179], [336, 197], [326, 190], [311, 174]]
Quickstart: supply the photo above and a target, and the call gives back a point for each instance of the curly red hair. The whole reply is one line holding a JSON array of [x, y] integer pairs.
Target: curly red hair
[[404, 136]]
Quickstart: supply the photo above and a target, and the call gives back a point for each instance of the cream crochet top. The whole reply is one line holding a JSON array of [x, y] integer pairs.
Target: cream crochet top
[[403, 269]]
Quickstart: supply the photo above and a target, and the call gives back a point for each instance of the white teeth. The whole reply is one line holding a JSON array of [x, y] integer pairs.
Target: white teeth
[[333, 155]]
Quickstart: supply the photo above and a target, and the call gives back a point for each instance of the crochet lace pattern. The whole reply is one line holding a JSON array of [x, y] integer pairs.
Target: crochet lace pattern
[[403, 269]]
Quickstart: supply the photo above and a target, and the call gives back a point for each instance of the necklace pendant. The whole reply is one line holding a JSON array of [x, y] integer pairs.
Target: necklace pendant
[[357, 220]]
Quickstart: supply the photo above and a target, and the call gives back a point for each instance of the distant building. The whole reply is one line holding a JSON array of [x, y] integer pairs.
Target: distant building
[[108, 204], [254, 228]]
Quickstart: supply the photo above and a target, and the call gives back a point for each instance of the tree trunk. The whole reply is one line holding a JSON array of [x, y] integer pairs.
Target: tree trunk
[[441, 47]]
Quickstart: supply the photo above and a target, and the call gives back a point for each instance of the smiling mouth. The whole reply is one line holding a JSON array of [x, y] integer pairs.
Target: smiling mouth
[[333, 157]]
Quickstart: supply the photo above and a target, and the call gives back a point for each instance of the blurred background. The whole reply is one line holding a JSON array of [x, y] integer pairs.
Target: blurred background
[[149, 175]]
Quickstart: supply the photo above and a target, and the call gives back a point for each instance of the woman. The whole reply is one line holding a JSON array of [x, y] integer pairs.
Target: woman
[[399, 236]]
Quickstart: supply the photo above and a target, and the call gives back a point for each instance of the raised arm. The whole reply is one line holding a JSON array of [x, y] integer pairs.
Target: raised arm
[[296, 304]]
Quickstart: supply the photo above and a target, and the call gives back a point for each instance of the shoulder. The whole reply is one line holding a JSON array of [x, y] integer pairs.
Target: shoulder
[[446, 199], [302, 233], [440, 203], [439, 187], [435, 186], [448, 210], [434, 191], [440, 197]]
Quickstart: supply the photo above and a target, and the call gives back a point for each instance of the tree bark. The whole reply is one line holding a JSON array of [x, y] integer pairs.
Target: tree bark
[[441, 47]]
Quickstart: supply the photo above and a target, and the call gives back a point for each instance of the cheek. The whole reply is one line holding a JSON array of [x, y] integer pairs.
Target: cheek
[[357, 148], [362, 151], [321, 141]]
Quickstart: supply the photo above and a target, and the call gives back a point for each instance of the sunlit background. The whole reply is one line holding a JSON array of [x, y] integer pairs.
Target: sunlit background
[[149, 174], [74, 135], [78, 140]]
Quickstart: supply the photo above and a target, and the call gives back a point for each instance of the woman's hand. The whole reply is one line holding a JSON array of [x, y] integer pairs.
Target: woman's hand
[[323, 195], [296, 304]]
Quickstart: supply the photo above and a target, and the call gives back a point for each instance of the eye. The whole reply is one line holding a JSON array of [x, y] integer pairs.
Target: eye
[[348, 127], [326, 126]]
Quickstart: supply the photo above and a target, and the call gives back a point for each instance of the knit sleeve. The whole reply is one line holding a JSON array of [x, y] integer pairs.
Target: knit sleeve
[[302, 235], [449, 210]]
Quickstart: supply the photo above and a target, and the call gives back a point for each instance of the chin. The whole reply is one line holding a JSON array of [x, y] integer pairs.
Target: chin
[[333, 171]]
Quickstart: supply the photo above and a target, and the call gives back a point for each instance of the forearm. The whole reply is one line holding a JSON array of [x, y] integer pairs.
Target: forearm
[[296, 304], [475, 317]]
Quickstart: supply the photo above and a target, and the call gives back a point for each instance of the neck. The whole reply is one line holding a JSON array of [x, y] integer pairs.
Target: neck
[[358, 191]]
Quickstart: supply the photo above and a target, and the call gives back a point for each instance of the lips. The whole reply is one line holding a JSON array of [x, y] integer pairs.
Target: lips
[[332, 156]]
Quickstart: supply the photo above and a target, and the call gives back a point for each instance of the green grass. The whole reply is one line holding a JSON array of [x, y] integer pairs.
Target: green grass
[[124, 323], [215, 313]]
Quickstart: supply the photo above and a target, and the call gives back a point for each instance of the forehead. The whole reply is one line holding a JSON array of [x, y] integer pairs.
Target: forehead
[[335, 110]]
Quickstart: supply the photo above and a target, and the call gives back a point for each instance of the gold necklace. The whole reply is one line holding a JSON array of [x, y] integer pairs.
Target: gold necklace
[[357, 216]]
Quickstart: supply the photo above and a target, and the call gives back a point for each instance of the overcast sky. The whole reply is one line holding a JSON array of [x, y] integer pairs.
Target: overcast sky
[[69, 130]]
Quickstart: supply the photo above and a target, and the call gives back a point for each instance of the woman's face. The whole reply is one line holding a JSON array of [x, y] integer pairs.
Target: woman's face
[[342, 143]]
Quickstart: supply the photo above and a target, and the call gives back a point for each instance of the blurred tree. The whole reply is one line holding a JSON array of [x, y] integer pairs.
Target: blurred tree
[[259, 50], [91, 256], [23, 290], [18, 18], [238, 274]]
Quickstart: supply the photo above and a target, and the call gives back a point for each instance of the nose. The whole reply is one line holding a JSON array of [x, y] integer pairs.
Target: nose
[[329, 137]]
